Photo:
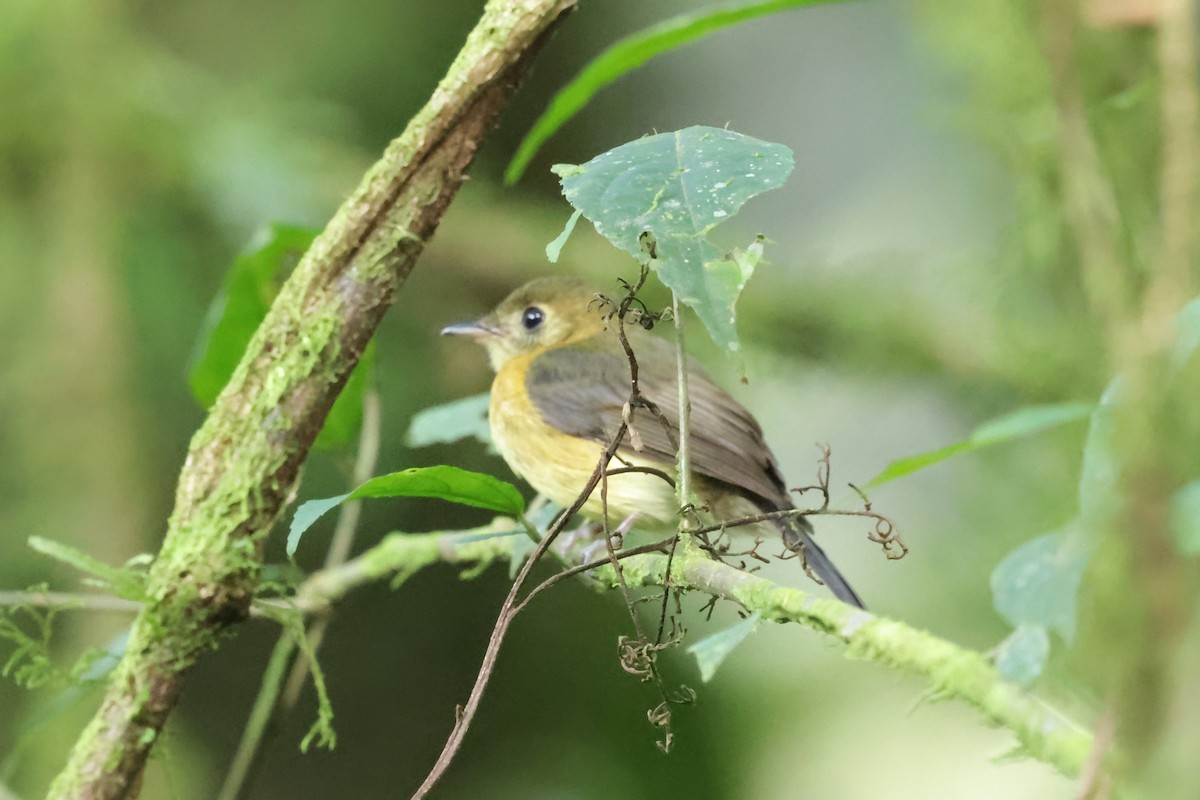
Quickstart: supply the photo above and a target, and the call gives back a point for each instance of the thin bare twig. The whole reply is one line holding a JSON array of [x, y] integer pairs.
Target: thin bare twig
[[343, 534], [511, 606], [683, 486], [466, 713], [68, 601], [607, 559], [1097, 782], [249, 747], [273, 691], [641, 658]]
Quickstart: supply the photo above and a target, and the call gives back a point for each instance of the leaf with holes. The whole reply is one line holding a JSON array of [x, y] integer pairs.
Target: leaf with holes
[[678, 187]]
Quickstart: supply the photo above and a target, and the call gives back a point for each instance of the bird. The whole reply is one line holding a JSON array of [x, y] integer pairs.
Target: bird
[[561, 391]]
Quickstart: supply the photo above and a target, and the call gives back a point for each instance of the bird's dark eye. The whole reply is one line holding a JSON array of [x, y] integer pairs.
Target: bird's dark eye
[[532, 317]]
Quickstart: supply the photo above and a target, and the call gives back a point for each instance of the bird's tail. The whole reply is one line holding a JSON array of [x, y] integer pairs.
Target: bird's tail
[[797, 537]]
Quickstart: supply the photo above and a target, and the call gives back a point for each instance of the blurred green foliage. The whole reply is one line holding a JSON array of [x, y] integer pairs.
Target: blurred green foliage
[[142, 144]]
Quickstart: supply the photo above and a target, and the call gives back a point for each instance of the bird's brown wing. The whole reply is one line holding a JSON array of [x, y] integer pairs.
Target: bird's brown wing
[[582, 390]]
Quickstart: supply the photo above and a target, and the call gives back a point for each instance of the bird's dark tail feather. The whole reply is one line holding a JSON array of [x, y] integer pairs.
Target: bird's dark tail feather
[[797, 537]]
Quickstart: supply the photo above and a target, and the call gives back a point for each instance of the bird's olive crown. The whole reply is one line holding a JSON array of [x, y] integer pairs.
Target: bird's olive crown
[[547, 312]]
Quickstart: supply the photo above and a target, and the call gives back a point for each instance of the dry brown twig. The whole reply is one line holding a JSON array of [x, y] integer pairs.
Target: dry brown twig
[[512, 606]]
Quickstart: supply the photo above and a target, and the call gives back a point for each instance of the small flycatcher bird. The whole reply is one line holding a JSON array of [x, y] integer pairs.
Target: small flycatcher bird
[[562, 382]]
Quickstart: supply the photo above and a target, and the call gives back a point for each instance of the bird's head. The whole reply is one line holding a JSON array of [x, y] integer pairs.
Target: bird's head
[[546, 312]]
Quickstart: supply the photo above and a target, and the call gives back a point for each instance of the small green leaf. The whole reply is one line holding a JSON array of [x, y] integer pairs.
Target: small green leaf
[[1037, 584], [679, 187], [1021, 658], [1101, 498], [306, 514], [554, 249], [122, 581], [1185, 519], [628, 54], [1014, 425], [80, 686], [480, 537], [450, 422], [711, 651], [1025, 421], [521, 549], [444, 482]]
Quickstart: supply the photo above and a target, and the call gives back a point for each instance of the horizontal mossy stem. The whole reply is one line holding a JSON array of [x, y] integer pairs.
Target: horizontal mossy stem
[[246, 458], [400, 555], [952, 671]]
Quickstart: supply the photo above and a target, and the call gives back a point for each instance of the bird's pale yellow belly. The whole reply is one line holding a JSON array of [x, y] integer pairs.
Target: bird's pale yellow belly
[[558, 465]]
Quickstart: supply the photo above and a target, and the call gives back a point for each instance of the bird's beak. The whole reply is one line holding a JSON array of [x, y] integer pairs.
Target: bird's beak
[[475, 329]]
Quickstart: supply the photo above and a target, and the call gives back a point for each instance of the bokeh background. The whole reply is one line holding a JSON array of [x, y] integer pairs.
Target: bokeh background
[[923, 279]]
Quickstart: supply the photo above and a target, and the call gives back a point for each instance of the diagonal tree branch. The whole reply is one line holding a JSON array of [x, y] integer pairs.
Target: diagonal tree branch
[[245, 460]]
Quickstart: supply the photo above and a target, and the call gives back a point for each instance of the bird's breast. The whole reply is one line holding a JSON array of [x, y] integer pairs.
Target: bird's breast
[[559, 465]]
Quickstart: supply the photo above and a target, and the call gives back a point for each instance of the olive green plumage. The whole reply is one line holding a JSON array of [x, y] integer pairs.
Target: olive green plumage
[[562, 383]]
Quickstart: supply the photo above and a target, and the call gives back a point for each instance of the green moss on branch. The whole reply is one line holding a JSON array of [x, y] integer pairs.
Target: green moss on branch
[[950, 670], [246, 458]]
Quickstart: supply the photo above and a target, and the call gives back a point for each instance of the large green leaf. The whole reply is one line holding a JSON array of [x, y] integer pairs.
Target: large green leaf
[[249, 289], [628, 54], [1014, 425], [445, 482], [677, 187]]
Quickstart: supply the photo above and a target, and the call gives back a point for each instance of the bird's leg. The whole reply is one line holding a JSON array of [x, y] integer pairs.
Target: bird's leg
[[625, 527]]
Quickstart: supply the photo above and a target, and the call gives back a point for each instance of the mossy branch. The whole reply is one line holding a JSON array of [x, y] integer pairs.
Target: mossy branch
[[246, 458], [952, 671]]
